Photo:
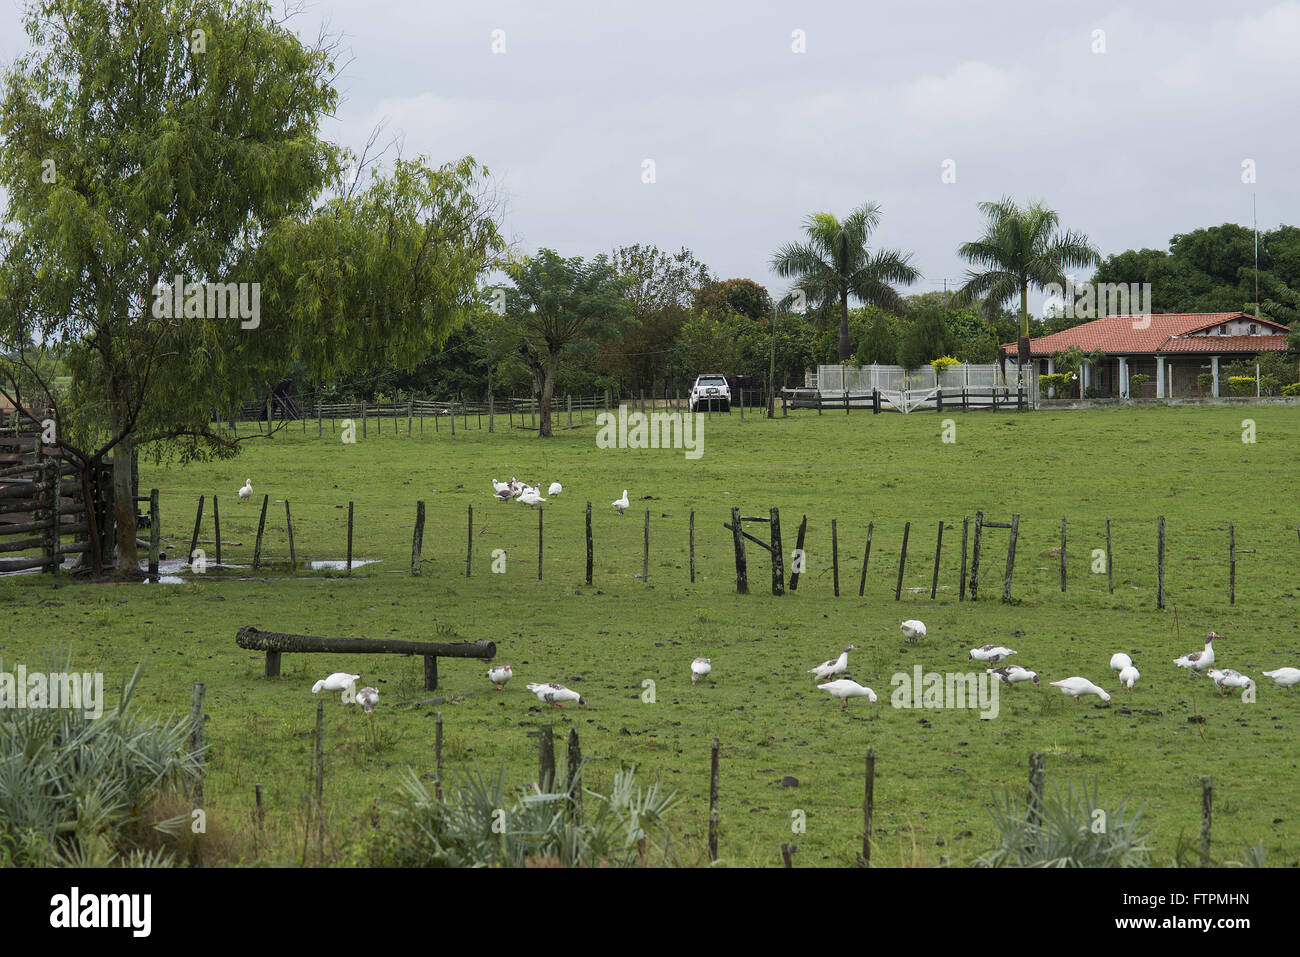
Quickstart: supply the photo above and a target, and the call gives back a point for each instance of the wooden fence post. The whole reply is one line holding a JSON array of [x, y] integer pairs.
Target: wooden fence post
[[835, 557], [692, 546], [469, 541], [1110, 569], [546, 757], [713, 788], [293, 552], [866, 557], [198, 738], [975, 556], [868, 801], [1207, 815], [938, 549], [574, 771], [539, 542], [1062, 553], [417, 540], [320, 779], [589, 556], [1011, 558], [216, 526], [778, 559], [155, 533], [645, 551], [961, 579], [799, 561], [437, 754], [1232, 564], [1160, 562], [349, 568], [261, 526], [194, 539], [902, 562], [742, 577], [1037, 781]]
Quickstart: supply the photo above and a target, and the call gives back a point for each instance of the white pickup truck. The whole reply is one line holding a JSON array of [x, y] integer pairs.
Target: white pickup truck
[[711, 391]]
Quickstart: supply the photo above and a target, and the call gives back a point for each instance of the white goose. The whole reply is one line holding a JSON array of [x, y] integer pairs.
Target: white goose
[[531, 497], [846, 688], [246, 492], [339, 681], [1077, 688], [555, 489], [1199, 660], [554, 694], [1013, 674], [913, 629], [499, 675], [833, 666], [990, 653], [620, 505], [1226, 680], [701, 668], [1119, 661], [368, 698], [1286, 678], [499, 487], [1128, 677]]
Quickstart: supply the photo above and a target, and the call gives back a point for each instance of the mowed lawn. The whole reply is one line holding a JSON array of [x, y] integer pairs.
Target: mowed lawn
[[936, 770]]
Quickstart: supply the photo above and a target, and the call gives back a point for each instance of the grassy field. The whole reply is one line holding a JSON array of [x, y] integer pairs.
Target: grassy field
[[937, 770]]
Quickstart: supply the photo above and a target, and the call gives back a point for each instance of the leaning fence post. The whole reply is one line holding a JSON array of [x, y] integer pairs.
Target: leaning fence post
[[902, 561], [261, 526], [799, 562], [1011, 558], [293, 553], [194, 540], [866, 557]]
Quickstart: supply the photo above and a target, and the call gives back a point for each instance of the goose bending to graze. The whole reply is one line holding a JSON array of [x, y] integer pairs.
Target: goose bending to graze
[[531, 497], [555, 489], [833, 666], [368, 698], [1128, 677], [499, 675], [1119, 661], [620, 505], [1077, 688], [1013, 674], [913, 629], [499, 487], [339, 681], [990, 653], [1226, 680], [246, 492], [1199, 660], [555, 695], [846, 688], [1286, 678], [701, 668]]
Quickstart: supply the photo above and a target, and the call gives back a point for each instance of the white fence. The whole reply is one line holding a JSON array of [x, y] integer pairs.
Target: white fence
[[905, 390]]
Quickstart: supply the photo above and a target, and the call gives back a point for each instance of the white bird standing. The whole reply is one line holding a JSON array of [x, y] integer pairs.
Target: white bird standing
[[1286, 678], [1119, 661], [846, 688], [913, 629], [554, 694], [1128, 677], [368, 698], [1077, 687], [620, 505], [555, 489], [499, 675], [1199, 660], [833, 666], [499, 487], [1226, 679], [1013, 674], [246, 492], [990, 653], [339, 681], [531, 497], [701, 668]]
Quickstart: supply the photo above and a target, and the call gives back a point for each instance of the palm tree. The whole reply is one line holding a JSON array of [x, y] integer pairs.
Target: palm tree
[[1020, 248], [835, 264]]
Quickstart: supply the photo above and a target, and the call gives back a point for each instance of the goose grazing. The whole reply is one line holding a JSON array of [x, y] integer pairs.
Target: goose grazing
[[846, 688], [339, 681], [621, 504], [505, 495], [499, 487], [990, 653], [246, 492], [368, 698], [1226, 680], [554, 694], [1199, 660], [1286, 678], [531, 497], [701, 668], [833, 666], [913, 630], [1128, 677], [1077, 688], [1013, 674], [499, 675], [1119, 661], [555, 489]]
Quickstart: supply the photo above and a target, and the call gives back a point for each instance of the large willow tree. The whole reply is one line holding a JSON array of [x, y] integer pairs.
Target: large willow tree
[[142, 140]]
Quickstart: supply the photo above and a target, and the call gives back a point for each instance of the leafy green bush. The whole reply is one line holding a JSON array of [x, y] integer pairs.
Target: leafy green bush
[[1205, 381], [1292, 389], [1241, 384], [942, 363], [1060, 381], [477, 825], [1136, 382], [1077, 830], [73, 789]]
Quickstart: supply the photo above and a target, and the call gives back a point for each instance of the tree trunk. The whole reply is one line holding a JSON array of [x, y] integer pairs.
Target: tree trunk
[[845, 348], [1022, 346], [548, 390], [127, 561]]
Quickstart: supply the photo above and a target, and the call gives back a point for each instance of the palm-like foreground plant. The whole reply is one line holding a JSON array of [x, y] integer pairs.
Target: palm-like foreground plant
[[1021, 247], [835, 264]]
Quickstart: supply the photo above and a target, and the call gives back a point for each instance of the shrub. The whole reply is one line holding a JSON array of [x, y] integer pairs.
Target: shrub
[[76, 791], [1060, 381], [1241, 384], [1136, 382], [1205, 380], [1292, 389], [942, 363], [1077, 830]]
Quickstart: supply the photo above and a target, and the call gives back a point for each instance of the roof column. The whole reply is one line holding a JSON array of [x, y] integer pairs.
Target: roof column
[[1160, 377], [1123, 377], [1214, 369]]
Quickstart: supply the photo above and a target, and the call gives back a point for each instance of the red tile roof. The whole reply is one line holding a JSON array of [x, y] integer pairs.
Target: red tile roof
[[1159, 332]]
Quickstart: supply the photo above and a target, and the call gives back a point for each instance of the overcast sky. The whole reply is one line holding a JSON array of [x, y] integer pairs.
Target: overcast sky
[[747, 136]]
